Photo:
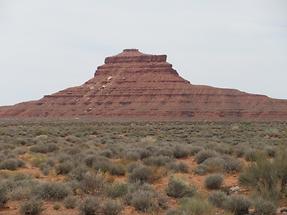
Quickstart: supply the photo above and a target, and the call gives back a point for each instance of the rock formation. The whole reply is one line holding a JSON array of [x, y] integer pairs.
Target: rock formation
[[133, 85]]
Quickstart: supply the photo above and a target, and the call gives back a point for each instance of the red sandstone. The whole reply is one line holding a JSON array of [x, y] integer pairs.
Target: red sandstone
[[136, 86]]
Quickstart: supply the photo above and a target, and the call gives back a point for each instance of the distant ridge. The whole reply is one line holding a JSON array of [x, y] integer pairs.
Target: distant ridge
[[137, 86]]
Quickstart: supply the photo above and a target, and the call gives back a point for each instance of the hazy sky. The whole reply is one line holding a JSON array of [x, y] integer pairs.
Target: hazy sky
[[48, 45]]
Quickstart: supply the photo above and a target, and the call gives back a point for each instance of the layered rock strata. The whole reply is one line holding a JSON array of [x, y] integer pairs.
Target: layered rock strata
[[136, 86]]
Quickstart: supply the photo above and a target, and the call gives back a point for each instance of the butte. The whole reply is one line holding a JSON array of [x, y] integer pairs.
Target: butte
[[137, 86]]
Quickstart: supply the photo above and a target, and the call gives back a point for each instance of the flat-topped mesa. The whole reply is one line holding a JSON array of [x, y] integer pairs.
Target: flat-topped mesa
[[136, 86], [134, 56]]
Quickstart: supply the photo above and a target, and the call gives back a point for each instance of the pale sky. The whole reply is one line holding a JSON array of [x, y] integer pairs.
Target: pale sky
[[49, 45]]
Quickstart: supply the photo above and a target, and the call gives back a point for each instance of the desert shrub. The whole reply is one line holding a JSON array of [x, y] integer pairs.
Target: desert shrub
[[201, 169], [112, 207], [264, 207], [173, 211], [250, 155], [92, 183], [107, 153], [56, 206], [70, 202], [132, 155], [237, 204], [3, 197], [102, 164], [270, 152], [51, 191], [11, 164], [239, 151], [263, 177], [78, 173], [64, 168], [141, 174], [232, 164], [117, 169], [117, 190], [90, 206], [217, 198], [144, 198], [201, 156], [157, 160], [44, 148], [180, 151], [195, 206], [31, 207], [214, 164], [178, 167], [213, 181], [178, 188]]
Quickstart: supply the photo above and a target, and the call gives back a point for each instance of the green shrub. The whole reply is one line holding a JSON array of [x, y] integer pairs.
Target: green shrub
[[117, 190], [238, 204], [217, 198], [112, 207], [263, 207], [195, 206], [70, 202], [201, 156], [90, 206], [213, 181], [232, 165], [178, 188], [31, 207], [262, 175], [51, 191]]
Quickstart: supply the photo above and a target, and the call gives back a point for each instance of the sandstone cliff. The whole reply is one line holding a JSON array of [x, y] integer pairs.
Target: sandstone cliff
[[133, 85]]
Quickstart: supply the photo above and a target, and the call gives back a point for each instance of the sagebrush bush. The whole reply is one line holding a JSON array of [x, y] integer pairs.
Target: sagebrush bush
[[117, 169], [70, 202], [92, 183], [238, 204], [250, 155], [178, 167], [141, 174], [11, 164], [117, 190], [217, 198], [31, 207], [213, 181], [180, 151], [178, 188], [144, 198], [51, 191], [201, 156], [64, 168], [90, 206], [157, 160], [262, 175], [264, 207], [44, 148], [195, 206], [3, 197], [112, 207]]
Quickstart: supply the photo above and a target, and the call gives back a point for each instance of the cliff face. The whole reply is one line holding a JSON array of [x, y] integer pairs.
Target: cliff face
[[133, 85]]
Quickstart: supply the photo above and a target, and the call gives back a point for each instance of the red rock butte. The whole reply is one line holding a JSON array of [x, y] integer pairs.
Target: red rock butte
[[137, 86]]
